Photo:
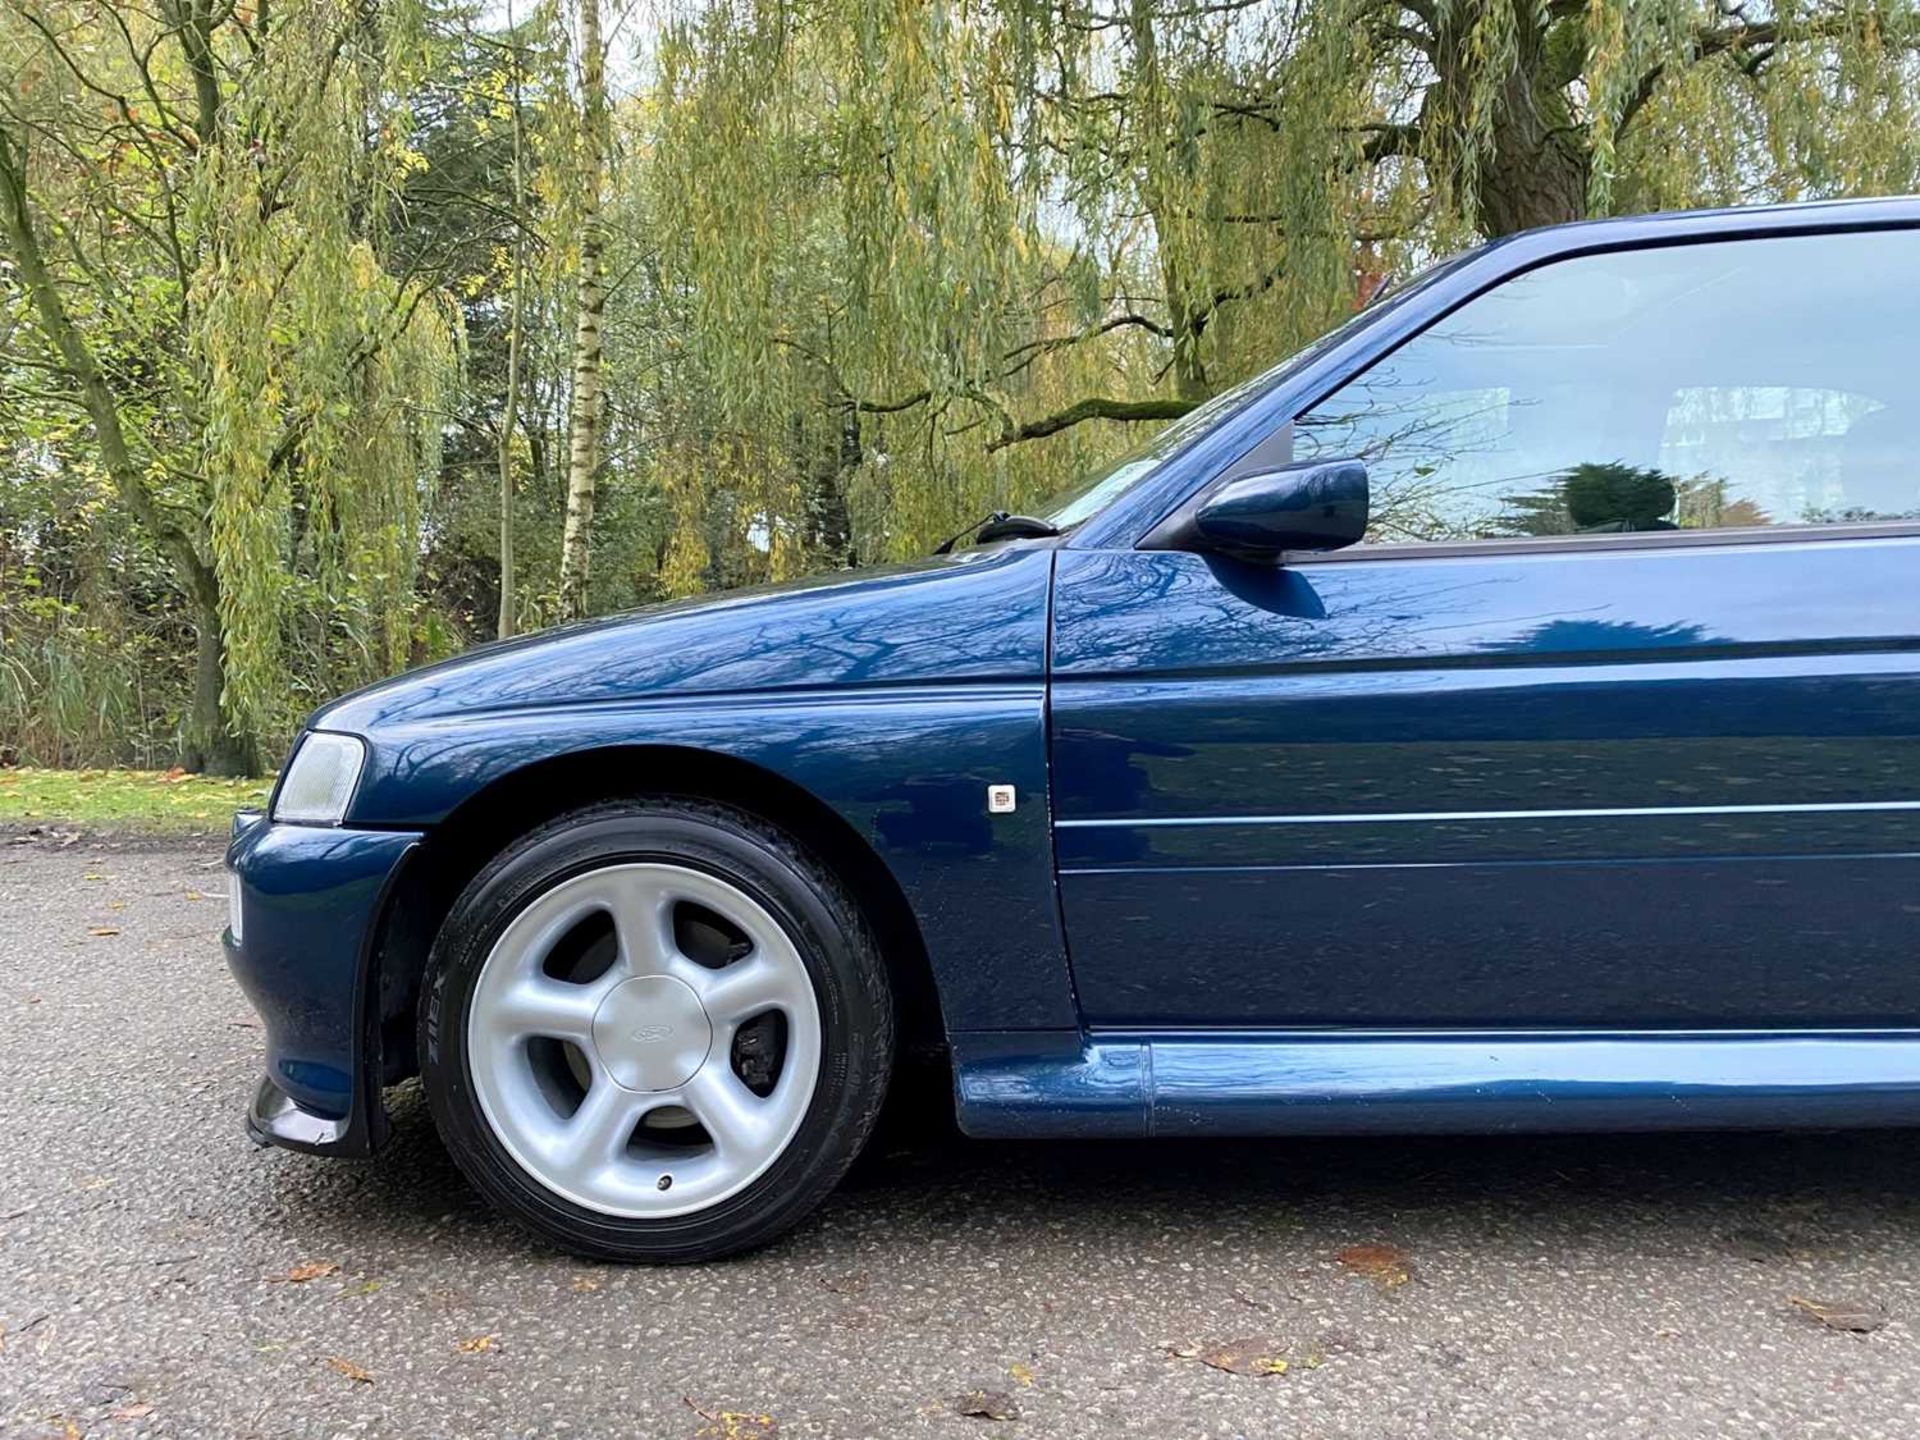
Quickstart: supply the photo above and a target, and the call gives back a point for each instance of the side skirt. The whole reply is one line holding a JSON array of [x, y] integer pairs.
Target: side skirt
[[1038, 1084]]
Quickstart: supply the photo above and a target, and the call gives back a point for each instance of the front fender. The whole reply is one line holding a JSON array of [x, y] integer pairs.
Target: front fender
[[906, 767]]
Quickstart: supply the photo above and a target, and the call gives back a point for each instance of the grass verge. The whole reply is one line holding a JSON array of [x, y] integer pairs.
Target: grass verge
[[150, 802]]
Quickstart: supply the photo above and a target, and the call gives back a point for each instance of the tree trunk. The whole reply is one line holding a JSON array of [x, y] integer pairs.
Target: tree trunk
[[505, 620], [212, 747], [583, 459], [829, 530], [1533, 178], [1533, 168], [516, 326], [1166, 203], [196, 23], [1189, 371]]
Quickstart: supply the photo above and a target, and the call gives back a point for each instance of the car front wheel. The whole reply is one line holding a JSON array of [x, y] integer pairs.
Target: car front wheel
[[657, 1030]]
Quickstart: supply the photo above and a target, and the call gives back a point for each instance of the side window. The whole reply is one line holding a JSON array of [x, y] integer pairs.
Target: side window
[[1736, 383]]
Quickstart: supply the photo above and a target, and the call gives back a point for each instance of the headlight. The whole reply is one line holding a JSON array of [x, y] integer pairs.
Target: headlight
[[320, 779], [234, 916]]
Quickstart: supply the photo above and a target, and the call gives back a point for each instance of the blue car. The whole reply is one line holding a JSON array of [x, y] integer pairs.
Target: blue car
[[1504, 715]]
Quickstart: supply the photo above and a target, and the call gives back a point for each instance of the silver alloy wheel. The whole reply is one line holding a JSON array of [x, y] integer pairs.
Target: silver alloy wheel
[[590, 1085]]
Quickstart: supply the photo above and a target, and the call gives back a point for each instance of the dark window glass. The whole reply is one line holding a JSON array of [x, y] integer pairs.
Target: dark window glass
[[1739, 383]]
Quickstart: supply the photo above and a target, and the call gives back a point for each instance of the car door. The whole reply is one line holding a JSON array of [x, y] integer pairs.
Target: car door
[[1613, 721]]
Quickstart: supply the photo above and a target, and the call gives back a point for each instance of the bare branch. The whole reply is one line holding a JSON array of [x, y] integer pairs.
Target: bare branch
[[1022, 356], [1097, 407]]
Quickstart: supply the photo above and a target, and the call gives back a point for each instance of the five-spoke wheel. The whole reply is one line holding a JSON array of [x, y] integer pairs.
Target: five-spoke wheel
[[657, 1030], [612, 1070]]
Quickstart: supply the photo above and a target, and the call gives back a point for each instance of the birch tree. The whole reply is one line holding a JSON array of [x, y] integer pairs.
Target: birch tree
[[583, 450]]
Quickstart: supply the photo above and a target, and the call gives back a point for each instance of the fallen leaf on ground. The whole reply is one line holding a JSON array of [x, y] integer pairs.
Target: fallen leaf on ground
[[311, 1270], [1861, 1319], [585, 1285], [1021, 1372], [1255, 1355], [133, 1412], [986, 1405], [103, 930], [476, 1345], [195, 895], [1385, 1264], [732, 1424], [358, 1374]]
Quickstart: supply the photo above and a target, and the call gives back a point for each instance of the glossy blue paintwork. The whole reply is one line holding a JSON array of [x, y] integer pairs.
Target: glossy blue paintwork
[[310, 898], [908, 768], [1025, 1086], [1587, 837], [1510, 789], [895, 698], [977, 616]]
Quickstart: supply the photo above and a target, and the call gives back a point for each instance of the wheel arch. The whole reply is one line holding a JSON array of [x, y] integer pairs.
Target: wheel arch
[[483, 823]]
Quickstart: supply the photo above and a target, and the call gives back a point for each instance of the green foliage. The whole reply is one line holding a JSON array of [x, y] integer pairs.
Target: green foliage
[[890, 236], [874, 267], [91, 641], [213, 226], [325, 376], [75, 692]]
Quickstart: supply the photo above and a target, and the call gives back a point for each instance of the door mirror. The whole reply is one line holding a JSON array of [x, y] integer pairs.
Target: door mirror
[[1317, 506]]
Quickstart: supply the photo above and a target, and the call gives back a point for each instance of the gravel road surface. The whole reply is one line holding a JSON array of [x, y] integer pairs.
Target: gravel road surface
[[151, 1259]]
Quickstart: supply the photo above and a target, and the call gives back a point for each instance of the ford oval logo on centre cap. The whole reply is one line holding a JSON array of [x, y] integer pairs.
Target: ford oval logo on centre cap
[[648, 1034]]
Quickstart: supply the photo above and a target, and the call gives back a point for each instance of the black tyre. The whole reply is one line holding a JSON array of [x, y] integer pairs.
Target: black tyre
[[655, 1030]]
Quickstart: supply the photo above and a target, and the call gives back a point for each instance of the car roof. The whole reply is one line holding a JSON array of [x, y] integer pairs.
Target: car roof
[[1575, 236]]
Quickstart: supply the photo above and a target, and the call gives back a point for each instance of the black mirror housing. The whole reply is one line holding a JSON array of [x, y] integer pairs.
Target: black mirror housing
[[1320, 505]]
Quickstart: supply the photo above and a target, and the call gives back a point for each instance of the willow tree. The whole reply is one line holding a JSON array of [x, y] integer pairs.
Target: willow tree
[[919, 247], [1511, 114], [934, 255], [193, 200]]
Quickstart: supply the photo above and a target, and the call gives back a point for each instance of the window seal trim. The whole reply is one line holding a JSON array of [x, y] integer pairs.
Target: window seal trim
[[1625, 542]]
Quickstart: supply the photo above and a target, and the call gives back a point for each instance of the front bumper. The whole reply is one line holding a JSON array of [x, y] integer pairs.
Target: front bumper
[[311, 902], [276, 1118]]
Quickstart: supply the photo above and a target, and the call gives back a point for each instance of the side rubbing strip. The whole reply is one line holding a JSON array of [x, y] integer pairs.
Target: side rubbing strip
[[1430, 816]]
